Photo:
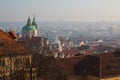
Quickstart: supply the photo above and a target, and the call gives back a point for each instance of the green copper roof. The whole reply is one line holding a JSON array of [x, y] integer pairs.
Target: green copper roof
[[34, 22], [29, 21], [29, 28]]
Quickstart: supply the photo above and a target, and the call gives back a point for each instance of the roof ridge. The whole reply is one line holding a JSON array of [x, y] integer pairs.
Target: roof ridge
[[6, 34]]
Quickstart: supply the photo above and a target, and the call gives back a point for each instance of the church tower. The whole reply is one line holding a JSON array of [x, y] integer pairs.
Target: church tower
[[34, 22], [30, 29]]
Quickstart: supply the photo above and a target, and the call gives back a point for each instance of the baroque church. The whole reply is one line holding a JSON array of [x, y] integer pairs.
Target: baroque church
[[31, 39], [30, 29]]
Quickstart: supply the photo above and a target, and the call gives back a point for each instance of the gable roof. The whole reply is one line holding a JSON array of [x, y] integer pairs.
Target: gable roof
[[100, 65], [68, 64], [9, 45], [109, 64], [12, 34]]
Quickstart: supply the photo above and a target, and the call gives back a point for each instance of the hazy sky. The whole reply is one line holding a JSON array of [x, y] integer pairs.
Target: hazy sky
[[60, 10]]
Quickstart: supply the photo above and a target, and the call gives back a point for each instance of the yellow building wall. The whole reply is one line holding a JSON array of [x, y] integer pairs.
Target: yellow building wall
[[82, 77], [88, 77], [9, 61], [77, 77], [111, 78]]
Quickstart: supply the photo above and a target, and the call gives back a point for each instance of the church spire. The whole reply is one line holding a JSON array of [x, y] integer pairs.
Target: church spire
[[28, 21], [34, 22]]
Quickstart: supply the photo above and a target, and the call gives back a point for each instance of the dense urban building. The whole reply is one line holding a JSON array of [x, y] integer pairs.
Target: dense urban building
[[14, 58], [92, 67], [31, 40], [31, 57]]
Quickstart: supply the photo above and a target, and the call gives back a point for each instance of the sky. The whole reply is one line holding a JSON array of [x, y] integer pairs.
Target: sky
[[60, 10]]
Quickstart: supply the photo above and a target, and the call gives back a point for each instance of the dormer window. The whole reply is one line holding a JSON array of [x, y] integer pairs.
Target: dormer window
[[112, 68], [1, 44], [111, 61], [108, 66]]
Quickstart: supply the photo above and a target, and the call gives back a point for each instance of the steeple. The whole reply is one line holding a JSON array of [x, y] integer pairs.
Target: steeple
[[28, 21], [34, 22], [29, 30]]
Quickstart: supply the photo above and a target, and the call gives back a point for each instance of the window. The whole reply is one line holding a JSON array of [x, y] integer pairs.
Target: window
[[2, 62], [108, 66], [1, 44], [111, 61]]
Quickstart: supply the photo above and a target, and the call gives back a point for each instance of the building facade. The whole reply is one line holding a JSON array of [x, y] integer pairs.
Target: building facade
[[14, 59]]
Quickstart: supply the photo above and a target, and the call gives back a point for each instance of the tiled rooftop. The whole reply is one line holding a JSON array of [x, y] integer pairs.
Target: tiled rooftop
[[9, 45], [101, 65]]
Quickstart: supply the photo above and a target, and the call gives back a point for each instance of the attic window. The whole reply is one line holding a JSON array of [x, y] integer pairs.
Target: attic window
[[111, 61], [93, 66], [110, 67], [1, 44]]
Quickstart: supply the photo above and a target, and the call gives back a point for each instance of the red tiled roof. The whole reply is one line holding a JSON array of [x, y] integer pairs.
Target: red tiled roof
[[12, 34], [101, 65], [74, 51], [71, 52], [109, 64], [9, 45], [68, 64]]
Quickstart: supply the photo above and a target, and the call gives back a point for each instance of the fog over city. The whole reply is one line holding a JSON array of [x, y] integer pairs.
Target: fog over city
[[70, 29], [70, 18], [59, 39]]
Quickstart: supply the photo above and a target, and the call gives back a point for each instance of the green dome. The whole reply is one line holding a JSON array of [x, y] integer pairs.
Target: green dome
[[29, 28]]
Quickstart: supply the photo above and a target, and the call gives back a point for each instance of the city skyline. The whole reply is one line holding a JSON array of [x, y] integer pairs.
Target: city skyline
[[60, 10]]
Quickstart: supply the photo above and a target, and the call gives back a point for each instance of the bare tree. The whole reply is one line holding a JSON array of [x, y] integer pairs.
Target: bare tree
[[47, 68]]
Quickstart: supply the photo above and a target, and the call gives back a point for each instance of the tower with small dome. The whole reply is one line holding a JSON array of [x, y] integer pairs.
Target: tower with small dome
[[30, 29]]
